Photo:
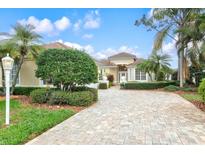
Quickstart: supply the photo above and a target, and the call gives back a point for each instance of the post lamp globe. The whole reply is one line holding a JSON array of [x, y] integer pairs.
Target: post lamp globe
[[7, 63]]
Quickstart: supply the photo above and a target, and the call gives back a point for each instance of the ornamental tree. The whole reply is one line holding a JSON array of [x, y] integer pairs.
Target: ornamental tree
[[66, 68]]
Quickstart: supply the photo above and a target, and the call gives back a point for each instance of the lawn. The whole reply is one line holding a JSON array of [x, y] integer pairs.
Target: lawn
[[28, 121], [192, 97]]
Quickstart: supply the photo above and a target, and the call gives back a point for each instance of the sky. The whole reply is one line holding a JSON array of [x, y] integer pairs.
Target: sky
[[100, 32]]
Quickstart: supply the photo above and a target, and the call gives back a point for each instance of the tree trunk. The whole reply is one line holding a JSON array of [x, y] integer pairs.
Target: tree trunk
[[181, 68], [178, 71], [17, 74], [2, 77]]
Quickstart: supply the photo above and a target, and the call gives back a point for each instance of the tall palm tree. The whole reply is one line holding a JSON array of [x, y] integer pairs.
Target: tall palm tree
[[25, 42], [167, 22]]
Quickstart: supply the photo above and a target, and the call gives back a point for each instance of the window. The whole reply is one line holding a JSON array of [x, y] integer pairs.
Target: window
[[13, 74], [143, 75], [137, 74], [140, 75]]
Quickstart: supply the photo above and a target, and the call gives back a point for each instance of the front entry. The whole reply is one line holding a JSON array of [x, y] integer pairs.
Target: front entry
[[121, 75]]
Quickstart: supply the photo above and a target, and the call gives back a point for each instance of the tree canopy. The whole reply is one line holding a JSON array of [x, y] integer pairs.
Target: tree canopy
[[66, 68]]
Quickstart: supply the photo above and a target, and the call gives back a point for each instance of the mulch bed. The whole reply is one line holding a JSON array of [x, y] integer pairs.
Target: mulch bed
[[25, 100]]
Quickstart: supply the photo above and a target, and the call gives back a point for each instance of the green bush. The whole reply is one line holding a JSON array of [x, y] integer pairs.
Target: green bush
[[59, 97], [171, 88], [40, 95], [201, 89], [81, 98], [102, 86], [93, 90], [146, 85], [23, 90], [66, 67]]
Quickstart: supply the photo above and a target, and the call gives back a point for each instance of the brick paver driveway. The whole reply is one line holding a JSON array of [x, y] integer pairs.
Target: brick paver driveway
[[131, 117]]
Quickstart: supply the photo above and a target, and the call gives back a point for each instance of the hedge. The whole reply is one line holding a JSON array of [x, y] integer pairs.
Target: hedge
[[82, 96], [40, 95], [23, 90], [147, 85], [103, 86]]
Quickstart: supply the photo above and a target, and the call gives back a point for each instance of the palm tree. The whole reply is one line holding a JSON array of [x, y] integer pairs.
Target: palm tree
[[147, 67], [167, 23], [25, 42], [157, 63]]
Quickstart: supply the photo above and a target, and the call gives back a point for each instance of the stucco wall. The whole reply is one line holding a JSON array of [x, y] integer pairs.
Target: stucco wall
[[112, 71], [27, 74], [122, 61]]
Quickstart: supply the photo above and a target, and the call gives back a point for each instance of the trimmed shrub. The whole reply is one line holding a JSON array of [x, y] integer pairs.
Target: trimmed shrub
[[40, 95], [171, 88], [93, 90], [201, 89], [81, 98], [102, 86], [146, 85], [25, 90], [59, 97]]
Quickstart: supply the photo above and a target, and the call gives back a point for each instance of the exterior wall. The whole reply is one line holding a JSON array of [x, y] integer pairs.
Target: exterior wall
[[122, 60], [27, 74], [112, 71]]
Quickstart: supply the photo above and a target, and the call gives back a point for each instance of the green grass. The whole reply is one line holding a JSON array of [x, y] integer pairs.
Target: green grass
[[28, 122], [193, 97]]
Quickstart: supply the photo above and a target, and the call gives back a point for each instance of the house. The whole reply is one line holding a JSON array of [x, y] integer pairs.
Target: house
[[122, 66], [27, 76]]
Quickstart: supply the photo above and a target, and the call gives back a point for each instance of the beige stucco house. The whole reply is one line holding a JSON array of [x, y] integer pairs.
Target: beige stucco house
[[121, 65], [27, 76]]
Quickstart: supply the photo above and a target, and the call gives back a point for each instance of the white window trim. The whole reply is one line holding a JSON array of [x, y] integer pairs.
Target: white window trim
[[140, 75]]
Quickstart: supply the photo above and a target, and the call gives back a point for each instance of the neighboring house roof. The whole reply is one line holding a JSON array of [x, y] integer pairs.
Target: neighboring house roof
[[122, 54], [56, 45]]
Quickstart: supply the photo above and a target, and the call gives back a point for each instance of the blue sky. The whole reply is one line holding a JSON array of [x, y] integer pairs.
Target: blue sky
[[101, 32]]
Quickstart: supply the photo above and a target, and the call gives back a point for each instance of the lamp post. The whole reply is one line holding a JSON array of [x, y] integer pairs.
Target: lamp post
[[7, 65]]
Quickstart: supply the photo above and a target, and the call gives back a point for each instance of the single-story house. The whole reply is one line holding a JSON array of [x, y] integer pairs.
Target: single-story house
[[121, 65]]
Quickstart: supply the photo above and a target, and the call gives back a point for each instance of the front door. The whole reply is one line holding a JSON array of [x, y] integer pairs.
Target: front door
[[122, 76]]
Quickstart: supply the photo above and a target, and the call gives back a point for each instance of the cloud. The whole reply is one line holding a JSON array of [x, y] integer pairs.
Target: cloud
[[41, 26], [103, 54], [92, 20], [111, 51], [76, 26], [46, 26], [4, 37], [62, 23], [87, 48], [87, 36], [150, 13]]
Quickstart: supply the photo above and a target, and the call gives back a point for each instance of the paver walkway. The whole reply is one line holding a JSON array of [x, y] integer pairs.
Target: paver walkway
[[131, 117]]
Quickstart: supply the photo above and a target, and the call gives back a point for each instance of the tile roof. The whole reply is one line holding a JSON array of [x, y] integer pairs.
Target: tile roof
[[56, 45], [122, 54]]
